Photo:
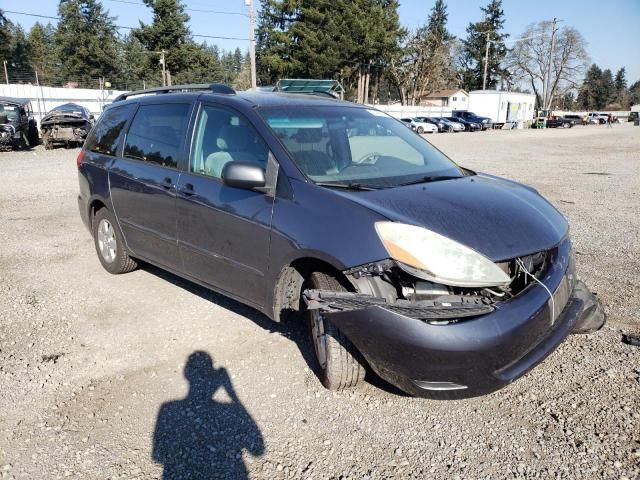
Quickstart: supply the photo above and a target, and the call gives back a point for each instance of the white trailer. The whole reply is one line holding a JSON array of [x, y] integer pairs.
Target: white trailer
[[502, 107]]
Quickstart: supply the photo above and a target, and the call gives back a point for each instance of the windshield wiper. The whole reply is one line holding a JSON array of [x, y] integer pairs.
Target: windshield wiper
[[429, 179], [347, 186]]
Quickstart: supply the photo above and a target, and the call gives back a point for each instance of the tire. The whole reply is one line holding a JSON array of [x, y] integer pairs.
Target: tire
[[109, 244], [566, 125], [420, 130], [342, 367]]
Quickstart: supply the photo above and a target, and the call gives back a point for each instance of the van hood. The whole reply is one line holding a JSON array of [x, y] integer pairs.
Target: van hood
[[499, 218]]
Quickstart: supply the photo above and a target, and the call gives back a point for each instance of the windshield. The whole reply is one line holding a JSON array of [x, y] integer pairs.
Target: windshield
[[11, 112], [347, 146]]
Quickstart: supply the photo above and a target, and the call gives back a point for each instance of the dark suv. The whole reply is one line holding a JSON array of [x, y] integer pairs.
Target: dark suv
[[444, 282], [485, 122], [18, 128]]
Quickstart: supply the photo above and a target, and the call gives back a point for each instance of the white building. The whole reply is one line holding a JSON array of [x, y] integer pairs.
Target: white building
[[502, 107], [453, 99]]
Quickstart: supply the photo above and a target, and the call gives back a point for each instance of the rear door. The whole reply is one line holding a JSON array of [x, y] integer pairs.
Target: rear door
[[224, 232], [143, 182]]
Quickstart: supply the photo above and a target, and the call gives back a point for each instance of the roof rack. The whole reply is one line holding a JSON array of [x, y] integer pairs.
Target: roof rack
[[219, 88]]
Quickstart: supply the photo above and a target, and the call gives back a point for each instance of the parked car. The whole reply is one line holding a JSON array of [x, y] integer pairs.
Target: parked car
[[18, 128], [574, 119], [469, 126], [633, 116], [408, 122], [556, 121], [422, 126], [454, 126], [440, 125], [597, 118], [443, 281], [67, 125], [485, 122]]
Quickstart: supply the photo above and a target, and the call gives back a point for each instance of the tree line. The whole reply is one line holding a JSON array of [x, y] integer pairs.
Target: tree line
[[361, 43], [85, 49]]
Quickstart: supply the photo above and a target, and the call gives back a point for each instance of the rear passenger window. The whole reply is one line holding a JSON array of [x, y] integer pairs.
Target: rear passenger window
[[156, 133], [106, 135]]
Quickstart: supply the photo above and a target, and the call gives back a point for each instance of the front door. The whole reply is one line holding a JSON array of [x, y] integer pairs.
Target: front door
[[143, 182], [223, 232]]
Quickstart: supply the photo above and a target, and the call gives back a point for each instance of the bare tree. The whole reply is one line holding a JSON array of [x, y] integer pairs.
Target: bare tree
[[422, 65], [549, 73]]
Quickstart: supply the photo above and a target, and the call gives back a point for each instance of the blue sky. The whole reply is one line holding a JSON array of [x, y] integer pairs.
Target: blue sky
[[609, 26]]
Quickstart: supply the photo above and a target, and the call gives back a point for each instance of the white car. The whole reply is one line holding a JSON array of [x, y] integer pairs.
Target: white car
[[423, 127]]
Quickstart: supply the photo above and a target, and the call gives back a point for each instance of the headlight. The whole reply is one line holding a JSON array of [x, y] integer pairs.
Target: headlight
[[438, 258]]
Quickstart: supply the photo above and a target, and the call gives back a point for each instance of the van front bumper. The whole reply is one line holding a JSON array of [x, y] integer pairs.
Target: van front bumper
[[478, 355]]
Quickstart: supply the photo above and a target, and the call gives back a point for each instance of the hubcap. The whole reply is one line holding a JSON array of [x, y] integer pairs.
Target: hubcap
[[107, 241], [319, 338]]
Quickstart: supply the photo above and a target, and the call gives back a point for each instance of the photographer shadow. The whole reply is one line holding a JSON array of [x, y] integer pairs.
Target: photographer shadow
[[201, 437]]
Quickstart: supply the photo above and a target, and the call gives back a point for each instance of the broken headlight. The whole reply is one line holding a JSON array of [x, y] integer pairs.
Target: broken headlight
[[439, 259]]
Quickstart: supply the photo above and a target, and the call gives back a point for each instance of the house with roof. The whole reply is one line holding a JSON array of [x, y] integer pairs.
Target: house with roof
[[453, 99]]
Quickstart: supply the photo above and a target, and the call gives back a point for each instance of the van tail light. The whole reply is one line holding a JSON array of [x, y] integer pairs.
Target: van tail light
[[80, 158]]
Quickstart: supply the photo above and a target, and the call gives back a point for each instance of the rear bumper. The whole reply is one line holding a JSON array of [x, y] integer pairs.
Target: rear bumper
[[479, 355]]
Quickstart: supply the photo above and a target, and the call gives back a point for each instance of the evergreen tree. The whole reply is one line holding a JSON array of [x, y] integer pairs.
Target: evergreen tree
[[607, 88], [5, 37], [634, 93], [19, 64], [42, 57], [86, 42], [590, 96], [474, 47], [134, 61], [346, 40], [169, 32], [621, 80], [274, 44]]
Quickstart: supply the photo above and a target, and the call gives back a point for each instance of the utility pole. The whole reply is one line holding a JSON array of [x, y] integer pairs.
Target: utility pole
[[486, 63], [549, 96], [252, 43], [164, 68], [6, 75]]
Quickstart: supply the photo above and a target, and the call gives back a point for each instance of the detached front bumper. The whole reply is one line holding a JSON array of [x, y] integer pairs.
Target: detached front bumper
[[478, 355]]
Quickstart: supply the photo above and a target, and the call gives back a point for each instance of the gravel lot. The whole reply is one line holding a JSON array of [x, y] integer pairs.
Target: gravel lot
[[87, 360]]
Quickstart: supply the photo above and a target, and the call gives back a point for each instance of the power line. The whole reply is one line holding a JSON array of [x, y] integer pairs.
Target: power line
[[216, 12], [122, 26]]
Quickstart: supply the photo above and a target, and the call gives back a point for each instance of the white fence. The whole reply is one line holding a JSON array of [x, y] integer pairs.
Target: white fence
[[402, 111], [44, 99]]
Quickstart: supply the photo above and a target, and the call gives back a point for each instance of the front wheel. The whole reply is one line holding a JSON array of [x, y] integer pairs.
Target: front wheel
[[109, 244], [420, 130], [339, 364]]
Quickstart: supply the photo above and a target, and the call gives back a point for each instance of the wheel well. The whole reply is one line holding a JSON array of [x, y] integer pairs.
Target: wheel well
[[287, 300], [93, 209]]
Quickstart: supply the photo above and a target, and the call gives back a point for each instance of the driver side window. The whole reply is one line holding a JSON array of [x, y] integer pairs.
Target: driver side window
[[223, 136]]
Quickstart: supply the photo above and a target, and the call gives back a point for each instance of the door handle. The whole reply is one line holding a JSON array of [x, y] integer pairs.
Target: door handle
[[167, 183], [188, 190]]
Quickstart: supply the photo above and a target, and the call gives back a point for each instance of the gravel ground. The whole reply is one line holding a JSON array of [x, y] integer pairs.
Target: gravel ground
[[123, 376]]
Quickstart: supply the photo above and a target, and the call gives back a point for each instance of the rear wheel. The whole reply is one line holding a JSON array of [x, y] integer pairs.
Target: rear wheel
[[110, 244], [339, 363]]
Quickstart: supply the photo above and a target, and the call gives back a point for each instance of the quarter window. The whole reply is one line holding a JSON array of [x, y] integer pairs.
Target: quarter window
[[106, 135], [156, 133], [223, 136]]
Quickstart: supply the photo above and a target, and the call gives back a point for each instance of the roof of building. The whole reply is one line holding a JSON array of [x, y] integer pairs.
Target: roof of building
[[442, 93]]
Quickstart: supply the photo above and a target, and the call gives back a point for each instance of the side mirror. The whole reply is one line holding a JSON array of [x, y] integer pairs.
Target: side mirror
[[243, 175]]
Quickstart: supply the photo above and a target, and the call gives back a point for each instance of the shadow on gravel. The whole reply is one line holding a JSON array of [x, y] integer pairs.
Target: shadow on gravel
[[294, 330], [201, 437]]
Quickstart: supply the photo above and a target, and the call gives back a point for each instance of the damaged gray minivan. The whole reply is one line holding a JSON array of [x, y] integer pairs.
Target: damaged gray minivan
[[445, 282]]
